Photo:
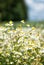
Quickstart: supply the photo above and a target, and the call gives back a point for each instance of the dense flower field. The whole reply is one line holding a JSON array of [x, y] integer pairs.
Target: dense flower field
[[21, 46]]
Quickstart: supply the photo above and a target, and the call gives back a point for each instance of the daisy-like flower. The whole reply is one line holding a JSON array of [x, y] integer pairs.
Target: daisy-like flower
[[23, 46], [22, 21], [33, 28], [11, 23], [28, 25]]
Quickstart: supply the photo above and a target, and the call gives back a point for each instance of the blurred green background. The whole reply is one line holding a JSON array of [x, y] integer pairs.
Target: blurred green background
[[12, 10], [16, 10]]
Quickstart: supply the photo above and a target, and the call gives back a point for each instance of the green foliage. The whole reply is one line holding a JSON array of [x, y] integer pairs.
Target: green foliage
[[12, 10]]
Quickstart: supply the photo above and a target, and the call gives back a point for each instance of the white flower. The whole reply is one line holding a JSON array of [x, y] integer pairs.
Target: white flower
[[42, 50], [11, 62], [18, 53], [22, 21]]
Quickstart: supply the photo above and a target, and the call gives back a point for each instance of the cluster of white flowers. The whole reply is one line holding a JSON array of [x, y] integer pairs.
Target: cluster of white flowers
[[21, 46]]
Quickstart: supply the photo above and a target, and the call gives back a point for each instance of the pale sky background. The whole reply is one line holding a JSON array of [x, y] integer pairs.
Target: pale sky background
[[35, 9]]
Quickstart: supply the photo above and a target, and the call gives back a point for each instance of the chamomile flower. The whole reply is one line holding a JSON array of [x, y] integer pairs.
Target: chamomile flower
[[22, 21]]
